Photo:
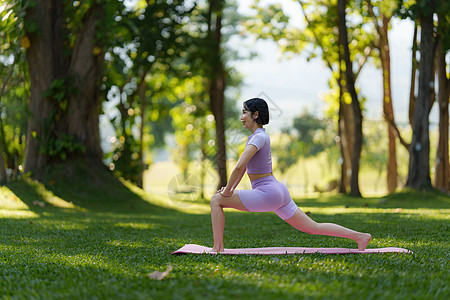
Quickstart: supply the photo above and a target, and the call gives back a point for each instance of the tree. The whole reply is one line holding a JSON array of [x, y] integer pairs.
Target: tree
[[419, 165], [306, 138], [414, 63], [217, 84], [146, 56], [323, 26], [65, 100], [386, 9], [442, 173], [357, 147], [194, 132]]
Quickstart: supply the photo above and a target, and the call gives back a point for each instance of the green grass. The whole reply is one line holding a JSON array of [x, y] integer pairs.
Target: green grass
[[100, 240]]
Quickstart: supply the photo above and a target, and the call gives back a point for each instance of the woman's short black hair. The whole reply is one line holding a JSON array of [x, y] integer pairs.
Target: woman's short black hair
[[258, 105]]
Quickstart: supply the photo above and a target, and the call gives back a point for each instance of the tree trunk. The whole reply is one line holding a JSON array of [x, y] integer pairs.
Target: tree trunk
[[45, 64], [2, 169], [357, 147], [348, 141], [216, 95], [2, 161], [346, 128], [388, 110], [419, 163], [344, 147], [85, 67], [9, 161], [412, 90], [202, 161], [342, 184], [387, 105], [141, 91], [441, 180], [346, 131], [49, 59], [217, 89]]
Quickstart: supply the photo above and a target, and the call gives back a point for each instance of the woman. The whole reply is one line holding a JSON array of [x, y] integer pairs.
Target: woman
[[267, 194]]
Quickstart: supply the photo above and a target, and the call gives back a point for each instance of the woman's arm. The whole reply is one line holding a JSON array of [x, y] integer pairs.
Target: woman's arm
[[239, 170], [233, 187], [234, 180]]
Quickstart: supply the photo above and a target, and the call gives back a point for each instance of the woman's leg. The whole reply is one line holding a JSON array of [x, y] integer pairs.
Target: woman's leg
[[218, 203], [304, 223]]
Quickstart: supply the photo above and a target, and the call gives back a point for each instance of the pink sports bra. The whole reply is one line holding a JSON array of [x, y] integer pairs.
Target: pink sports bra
[[261, 162]]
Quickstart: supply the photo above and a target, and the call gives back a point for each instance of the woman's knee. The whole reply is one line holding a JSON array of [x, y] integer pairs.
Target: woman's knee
[[313, 227], [305, 224], [215, 200]]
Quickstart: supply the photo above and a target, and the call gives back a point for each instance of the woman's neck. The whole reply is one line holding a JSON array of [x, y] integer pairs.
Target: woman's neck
[[255, 127]]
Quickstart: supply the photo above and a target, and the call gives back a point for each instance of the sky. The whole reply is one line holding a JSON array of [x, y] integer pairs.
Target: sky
[[295, 84]]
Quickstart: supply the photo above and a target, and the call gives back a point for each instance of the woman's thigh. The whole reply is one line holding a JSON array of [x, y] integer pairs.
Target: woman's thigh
[[230, 202]]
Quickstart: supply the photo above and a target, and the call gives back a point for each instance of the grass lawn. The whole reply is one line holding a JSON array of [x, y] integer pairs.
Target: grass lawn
[[81, 239]]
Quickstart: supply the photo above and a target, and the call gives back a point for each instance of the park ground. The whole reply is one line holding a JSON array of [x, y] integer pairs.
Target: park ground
[[79, 236]]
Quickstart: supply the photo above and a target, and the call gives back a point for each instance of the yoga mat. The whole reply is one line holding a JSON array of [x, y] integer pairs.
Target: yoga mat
[[198, 249]]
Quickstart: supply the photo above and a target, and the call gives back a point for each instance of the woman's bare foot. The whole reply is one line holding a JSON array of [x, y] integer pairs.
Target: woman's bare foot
[[362, 240], [216, 250]]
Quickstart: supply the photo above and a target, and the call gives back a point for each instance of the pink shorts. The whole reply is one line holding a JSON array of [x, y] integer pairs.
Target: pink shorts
[[267, 194]]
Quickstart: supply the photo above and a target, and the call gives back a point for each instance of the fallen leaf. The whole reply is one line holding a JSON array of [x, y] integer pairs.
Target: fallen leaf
[[39, 203], [160, 275]]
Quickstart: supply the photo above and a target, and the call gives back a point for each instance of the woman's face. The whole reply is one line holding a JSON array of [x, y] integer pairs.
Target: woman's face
[[246, 119]]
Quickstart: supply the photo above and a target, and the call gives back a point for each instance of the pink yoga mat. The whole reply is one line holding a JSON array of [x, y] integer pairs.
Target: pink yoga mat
[[197, 249]]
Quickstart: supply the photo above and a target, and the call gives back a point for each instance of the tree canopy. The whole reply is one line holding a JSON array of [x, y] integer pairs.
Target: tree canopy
[[155, 69]]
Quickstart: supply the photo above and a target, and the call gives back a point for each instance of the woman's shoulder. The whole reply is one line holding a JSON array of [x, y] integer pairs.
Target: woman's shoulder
[[259, 138], [259, 133], [263, 132]]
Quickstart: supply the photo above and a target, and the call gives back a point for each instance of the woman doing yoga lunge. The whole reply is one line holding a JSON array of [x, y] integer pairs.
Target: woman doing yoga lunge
[[267, 194]]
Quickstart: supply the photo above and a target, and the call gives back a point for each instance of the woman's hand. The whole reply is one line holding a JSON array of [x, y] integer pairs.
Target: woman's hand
[[222, 192]]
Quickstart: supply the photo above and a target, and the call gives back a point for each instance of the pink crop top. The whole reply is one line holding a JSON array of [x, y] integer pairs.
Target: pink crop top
[[261, 162]]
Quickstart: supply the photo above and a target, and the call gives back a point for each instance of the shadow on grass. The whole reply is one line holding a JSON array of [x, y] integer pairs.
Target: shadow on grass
[[78, 197], [78, 186]]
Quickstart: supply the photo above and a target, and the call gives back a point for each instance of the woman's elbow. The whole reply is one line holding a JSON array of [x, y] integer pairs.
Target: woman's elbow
[[239, 168]]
